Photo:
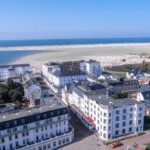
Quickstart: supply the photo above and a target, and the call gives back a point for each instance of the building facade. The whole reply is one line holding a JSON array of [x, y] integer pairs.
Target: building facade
[[61, 74], [143, 94], [93, 67], [40, 128], [112, 118], [11, 71]]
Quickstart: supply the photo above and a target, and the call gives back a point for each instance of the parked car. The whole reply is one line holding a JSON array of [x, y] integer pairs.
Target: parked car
[[116, 144]]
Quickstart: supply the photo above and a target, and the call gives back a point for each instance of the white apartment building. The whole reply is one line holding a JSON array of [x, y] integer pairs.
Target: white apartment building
[[143, 94], [112, 118], [40, 128], [93, 67], [54, 74], [32, 90], [10, 71]]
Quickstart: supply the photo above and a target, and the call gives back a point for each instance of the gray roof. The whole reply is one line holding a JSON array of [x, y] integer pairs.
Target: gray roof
[[144, 88], [101, 98], [52, 107], [15, 65], [63, 74]]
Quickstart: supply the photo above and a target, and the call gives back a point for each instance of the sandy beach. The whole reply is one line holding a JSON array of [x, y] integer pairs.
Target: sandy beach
[[107, 54]]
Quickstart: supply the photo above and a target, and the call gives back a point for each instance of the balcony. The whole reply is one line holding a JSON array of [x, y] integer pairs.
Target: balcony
[[31, 145]]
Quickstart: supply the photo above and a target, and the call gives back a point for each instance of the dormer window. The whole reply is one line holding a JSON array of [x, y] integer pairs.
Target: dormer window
[[15, 122], [37, 117]]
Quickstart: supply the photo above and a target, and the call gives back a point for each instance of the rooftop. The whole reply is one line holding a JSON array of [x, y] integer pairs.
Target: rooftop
[[52, 106], [15, 65], [62, 74], [89, 87], [144, 88], [102, 99]]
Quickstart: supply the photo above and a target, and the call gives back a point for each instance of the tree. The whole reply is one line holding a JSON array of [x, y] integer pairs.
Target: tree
[[10, 84], [120, 95], [15, 95], [148, 147]]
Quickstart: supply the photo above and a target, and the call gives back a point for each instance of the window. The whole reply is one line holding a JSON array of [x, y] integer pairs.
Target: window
[[130, 122], [139, 121], [27, 133], [40, 148], [124, 117], [124, 111], [16, 136], [104, 114], [36, 130], [123, 131], [140, 108], [67, 139], [140, 115], [10, 138], [117, 118], [117, 112], [44, 147], [117, 125], [104, 135], [63, 141], [109, 121], [8, 131], [54, 144], [130, 129], [131, 109], [109, 128], [104, 128], [123, 124], [131, 115], [116, 132], [104, 121], [109, 114], [49, 146]]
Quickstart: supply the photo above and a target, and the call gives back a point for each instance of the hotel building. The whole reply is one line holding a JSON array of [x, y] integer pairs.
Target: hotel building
[[111, 118], [40, 128], [11, 71], [60, 74]]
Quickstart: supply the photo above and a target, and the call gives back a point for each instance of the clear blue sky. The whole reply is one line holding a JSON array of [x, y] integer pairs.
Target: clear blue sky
[[33, 19]]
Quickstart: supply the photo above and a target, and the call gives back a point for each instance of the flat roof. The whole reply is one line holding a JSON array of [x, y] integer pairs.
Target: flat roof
[[15, 65], [52, 106], [102, 99], [63, 74]]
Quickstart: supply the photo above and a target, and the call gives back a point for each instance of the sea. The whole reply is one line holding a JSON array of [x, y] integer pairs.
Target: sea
[[9, 56]]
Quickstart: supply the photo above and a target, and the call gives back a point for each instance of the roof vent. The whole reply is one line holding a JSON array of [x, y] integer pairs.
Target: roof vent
[[110, 103]]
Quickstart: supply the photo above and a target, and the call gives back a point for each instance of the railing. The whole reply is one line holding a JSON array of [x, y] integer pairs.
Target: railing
[[40, 141], [31, 128]]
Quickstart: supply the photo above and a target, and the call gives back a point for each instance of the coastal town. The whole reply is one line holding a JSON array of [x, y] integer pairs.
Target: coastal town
[[71, 104]]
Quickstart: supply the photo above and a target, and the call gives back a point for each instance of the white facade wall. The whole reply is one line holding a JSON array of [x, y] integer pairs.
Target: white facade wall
[[62, 80], [33, 93], [93, 68], [50, 133], [110, 122], [9, 72]]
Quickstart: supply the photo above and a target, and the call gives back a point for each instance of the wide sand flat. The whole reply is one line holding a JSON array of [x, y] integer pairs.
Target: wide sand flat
[[102, 52]]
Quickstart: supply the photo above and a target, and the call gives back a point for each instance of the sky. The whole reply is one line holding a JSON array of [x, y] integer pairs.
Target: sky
[[42, 19]]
